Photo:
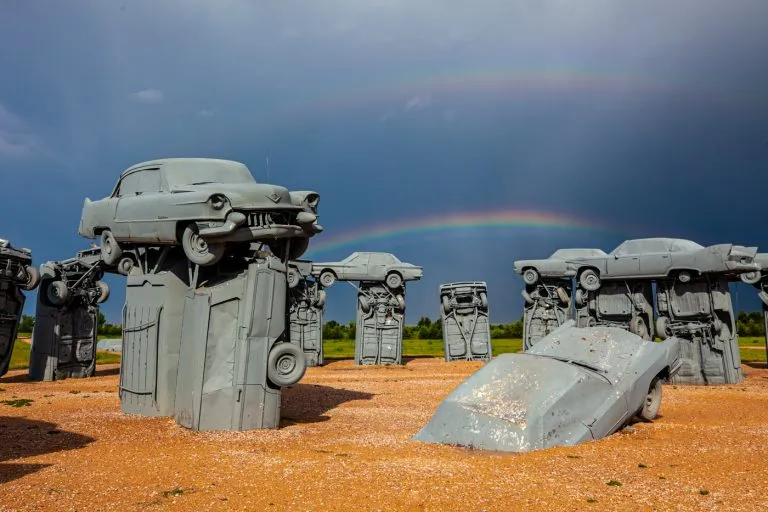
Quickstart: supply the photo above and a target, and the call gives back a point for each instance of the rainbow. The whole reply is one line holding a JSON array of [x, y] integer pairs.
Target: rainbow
[[452, 223]]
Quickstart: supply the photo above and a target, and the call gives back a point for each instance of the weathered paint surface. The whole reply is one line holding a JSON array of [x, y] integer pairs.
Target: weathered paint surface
[[575, 385]]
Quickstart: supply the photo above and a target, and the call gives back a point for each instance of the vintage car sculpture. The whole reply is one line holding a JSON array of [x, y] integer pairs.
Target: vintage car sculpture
[[202, 204], [367, 266], [650, 258], [556, 266], [574, 385], [16, 266], [75, 277]]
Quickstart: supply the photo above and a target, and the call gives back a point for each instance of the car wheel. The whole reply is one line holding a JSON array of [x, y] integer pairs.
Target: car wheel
[[751, 277], [394, 280], [103, 291], [652, 403], [530, 276], [445, 303], [527, 297], [637, 326], [365, 303], [319, 301], [591, 321], [589, 280], [763, 297], [662, 327], [580, 298], [717, 325], [563, 296], [286, 364], [327, 278], [33, 278], [483, 300], [198, 250], [400, 302], [57, 293], [125, 266], [684, 276], [293, 278], [110, 249]]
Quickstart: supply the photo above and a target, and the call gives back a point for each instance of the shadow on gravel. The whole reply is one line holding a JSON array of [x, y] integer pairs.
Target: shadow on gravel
[[21, 438], [307, 403]]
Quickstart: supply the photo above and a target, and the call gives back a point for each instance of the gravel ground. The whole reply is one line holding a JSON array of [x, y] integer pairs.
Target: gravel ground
[[344, 445]]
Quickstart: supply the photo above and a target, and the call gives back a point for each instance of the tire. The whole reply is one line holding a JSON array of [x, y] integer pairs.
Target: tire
[[57, 293], [293, 278], [199, 251], [652, 403], [483, 300], [319, 301], [662, 327], [327, 278], [446, 304], [365, 304], [33, 278], [580, 298], [717, 325], [286, 364], [104, 291], [684, 276], [110, 249], [527, 297], [400, 302], [394, 280], [763, 297], [637, 326], [591, 322], [125, 266], [751, 277], [530, 276], [589, 280], [563, 296]]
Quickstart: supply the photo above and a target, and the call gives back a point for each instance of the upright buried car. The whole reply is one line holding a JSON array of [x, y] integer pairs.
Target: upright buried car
[[574, 385], [16, 266], [556, 266], [201, 204], [650, 258], [367, 266]]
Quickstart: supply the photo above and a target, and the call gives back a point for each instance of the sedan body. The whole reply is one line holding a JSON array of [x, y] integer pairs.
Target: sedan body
[[574, 385], [366, 266]]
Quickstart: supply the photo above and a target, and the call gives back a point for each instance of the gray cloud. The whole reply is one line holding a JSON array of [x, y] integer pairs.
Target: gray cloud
[[418, 102], [148, 96], [208, 112]]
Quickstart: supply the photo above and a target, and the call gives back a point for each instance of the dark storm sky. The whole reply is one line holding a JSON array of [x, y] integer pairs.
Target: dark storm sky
[[650, 117]]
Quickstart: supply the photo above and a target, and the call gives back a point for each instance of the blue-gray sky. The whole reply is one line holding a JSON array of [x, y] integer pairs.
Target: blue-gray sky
[[650, 117]]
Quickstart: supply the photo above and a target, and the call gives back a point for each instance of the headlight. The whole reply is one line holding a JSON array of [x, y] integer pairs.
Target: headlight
[[218, 201]]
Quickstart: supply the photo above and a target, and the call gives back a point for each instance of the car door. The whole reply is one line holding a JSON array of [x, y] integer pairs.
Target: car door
[[656, 261], [137, 208], [356, 268], [624, 263], [378, 264]]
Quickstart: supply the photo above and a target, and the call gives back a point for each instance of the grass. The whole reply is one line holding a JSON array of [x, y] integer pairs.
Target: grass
[[345, 349], [21, 350]]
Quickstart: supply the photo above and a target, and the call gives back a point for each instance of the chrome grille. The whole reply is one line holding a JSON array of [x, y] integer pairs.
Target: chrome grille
[[267, 219]]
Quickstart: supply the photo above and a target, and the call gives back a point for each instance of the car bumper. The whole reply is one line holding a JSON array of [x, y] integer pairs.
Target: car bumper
[[241, 227]]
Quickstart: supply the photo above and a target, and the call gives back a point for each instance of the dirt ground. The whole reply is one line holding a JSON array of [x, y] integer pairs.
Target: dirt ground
[[344, 445]]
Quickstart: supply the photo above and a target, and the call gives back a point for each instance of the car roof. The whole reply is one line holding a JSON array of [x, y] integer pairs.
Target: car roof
[[180, 162]]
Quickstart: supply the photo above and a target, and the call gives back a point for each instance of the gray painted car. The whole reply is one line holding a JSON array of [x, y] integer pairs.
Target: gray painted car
[[574, 385], [201, 204], [556, 266], [367, 266], [651, 258], [16, 266]]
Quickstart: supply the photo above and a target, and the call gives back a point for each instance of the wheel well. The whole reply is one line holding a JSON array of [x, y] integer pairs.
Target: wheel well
[[180, 226], [673, 272], [395, 272], [327, 270], [584, 269], [663, 375]]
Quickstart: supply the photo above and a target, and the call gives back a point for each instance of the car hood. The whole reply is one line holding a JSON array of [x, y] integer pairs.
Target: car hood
[[517, 403], [247, 195]]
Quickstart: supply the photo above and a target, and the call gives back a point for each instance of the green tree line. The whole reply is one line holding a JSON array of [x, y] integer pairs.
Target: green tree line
[[747, 324]]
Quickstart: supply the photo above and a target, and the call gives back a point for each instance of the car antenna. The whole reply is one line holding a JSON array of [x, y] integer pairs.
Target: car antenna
[[267, 158]]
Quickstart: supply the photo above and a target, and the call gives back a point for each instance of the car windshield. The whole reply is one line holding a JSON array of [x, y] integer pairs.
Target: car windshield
[[197, 174]]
